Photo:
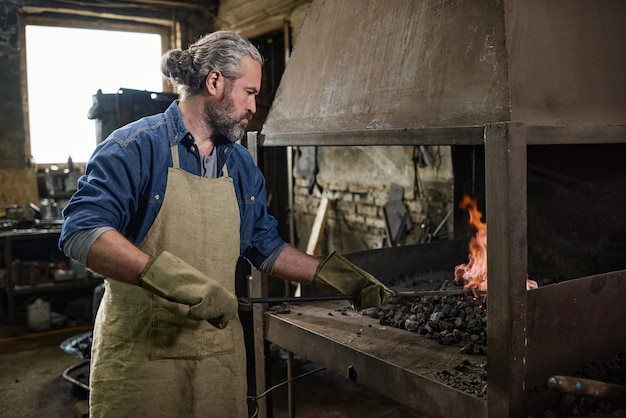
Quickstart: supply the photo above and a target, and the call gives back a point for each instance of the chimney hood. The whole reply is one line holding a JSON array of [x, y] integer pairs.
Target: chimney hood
[[379, 72]]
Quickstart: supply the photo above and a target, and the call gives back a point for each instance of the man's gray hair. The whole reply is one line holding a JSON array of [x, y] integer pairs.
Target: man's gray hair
[[221, 50]]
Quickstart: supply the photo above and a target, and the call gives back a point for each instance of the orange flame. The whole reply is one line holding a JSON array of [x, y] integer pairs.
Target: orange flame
[[474, 272]]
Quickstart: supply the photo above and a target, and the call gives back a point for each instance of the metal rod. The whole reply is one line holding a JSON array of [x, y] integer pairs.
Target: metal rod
[[445, 219], [291, 402], [409, 293], [66, 375], [587, 387], [280, 299], [415, 293]]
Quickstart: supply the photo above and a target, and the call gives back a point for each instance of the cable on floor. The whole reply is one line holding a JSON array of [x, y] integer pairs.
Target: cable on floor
[[253, 399]]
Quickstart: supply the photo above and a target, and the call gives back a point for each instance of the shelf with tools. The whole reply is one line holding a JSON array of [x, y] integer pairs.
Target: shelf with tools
[[33, 265]]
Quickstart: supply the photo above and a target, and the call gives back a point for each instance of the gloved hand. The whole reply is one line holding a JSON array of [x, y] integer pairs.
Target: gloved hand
[[338, 275], [171, 278]]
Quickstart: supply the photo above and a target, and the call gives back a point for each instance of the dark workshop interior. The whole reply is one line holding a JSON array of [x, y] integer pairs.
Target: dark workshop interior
[[393, 132]]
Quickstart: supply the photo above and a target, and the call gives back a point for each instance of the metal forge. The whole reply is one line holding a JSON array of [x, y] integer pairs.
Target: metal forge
[[531, 88]]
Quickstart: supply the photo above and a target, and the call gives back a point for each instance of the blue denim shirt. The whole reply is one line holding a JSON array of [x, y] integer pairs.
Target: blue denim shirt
[[124, 184]]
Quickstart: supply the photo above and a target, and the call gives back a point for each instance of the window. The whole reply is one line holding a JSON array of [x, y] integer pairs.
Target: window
[[65, 68]]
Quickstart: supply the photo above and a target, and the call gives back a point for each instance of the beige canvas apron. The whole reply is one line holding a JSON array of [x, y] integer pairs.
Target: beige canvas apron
[[149, 362]]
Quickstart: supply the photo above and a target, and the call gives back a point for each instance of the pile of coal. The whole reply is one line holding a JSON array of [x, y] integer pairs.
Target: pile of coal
[[468, 376], [448, 319]]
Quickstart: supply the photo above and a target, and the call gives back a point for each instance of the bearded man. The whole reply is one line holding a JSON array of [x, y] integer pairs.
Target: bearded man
[[164, 210]]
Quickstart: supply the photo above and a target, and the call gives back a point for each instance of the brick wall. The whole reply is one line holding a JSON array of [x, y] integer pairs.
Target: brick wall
[[357, 181]]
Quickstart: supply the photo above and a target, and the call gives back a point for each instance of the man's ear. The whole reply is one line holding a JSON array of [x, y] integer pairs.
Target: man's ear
[[214, 82]]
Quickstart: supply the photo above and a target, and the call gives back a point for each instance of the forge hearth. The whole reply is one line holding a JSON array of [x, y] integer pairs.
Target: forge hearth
[[530, 96], [362, 349]]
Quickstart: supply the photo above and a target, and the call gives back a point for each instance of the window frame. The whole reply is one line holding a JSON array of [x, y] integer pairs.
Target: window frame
[[168, 30]]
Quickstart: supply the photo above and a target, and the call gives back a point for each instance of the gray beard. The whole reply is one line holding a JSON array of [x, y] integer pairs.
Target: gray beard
[[217, 118]]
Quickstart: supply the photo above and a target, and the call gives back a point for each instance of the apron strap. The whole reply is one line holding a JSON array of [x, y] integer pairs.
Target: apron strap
[[225, 171], [175, 162]]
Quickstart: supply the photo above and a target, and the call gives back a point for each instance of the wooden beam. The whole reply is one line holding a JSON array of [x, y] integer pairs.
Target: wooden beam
[[318, 226]]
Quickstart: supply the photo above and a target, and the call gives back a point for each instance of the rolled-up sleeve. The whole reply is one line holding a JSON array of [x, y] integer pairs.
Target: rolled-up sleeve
[[259, 229], [118, 183]]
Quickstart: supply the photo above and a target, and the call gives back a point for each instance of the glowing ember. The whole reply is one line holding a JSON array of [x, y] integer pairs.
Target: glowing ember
[[474, 272]]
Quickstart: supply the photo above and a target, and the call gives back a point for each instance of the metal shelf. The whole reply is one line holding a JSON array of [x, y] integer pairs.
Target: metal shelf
[[16, 285]]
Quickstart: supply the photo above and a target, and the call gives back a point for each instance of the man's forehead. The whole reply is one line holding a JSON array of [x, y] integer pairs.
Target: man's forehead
[[250, 73]]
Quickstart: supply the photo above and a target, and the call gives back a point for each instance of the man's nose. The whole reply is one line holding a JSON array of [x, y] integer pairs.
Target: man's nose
[[252, 104]]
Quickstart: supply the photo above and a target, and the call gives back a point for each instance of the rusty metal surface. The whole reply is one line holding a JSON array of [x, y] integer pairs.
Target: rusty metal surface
[[361, 66], [464, 135], [566, 62], [574, 323], [387, 263], [507, 260], [364, 71], [565, 135], [533, 334], [394, 362]]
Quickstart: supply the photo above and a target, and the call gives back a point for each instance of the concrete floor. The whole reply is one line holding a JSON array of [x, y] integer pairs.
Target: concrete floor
[[31, 383], [32, 386]]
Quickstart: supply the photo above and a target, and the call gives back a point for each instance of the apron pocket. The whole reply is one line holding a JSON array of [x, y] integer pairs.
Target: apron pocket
[[174, 337]]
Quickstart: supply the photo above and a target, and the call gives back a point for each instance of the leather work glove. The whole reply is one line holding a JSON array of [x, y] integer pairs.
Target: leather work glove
[[171, 278], [338, 275]]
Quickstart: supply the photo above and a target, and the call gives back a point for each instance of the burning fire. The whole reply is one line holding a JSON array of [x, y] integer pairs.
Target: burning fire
[[474, 272]]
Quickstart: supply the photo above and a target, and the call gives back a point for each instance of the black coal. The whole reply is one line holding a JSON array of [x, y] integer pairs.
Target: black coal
[[448, 319]]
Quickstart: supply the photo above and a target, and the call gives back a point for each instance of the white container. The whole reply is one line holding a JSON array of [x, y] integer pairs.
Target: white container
[[38, 313]]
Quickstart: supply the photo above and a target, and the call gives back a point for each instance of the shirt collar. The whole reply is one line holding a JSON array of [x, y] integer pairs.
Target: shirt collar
[[177, 131]]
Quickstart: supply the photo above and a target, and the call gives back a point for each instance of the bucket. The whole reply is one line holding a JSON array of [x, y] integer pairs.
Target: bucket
[[38, 314]]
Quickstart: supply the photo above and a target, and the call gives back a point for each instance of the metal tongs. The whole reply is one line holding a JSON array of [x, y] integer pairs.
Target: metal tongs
[[245, 303]]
